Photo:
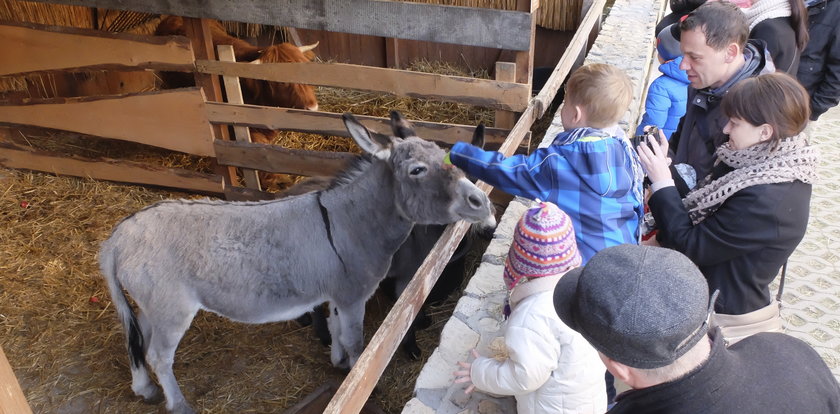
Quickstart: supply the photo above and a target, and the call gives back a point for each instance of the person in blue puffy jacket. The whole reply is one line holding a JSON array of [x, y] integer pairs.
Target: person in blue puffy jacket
[[668, 94]]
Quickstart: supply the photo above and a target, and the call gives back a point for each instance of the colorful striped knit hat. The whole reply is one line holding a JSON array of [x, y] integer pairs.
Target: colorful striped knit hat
[[543, 245]]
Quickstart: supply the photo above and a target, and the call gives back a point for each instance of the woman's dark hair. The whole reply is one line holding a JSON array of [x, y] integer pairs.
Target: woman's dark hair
[[799, 21], [685, 6], [775, 99]]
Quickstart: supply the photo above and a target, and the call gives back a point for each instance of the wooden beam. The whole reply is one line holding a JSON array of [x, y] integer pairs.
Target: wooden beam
[[525, 58], [328, 123], [175, 119], [38, 48], [276, 159], [436, 23], [198, 30], [12, 156], [482, 92], [505, 72], [579, 41], [12, 400], [233, 92]]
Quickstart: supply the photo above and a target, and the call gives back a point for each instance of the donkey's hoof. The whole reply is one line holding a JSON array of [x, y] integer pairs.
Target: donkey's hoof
[[151, 395], [182, 409]]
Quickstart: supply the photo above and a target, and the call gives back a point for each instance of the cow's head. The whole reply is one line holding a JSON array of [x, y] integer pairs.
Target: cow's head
[[289, 95]]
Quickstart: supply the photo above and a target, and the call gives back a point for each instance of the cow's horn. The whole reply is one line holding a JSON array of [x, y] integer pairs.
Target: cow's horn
[[306, 48], [256, 61]]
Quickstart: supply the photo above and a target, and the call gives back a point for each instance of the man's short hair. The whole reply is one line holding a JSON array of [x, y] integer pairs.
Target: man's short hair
[[603, 91], [721, 22]]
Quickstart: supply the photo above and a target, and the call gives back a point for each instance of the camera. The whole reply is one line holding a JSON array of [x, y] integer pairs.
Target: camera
[[652, 133]]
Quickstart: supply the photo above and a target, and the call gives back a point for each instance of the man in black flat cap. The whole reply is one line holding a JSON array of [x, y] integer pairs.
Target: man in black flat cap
[[646, 310]]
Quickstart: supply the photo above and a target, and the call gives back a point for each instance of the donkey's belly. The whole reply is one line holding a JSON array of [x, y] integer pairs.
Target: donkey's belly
[[262, 312]]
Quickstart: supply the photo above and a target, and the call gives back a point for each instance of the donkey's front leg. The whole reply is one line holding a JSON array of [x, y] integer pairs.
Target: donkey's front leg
[[338, 356], [351, 335]]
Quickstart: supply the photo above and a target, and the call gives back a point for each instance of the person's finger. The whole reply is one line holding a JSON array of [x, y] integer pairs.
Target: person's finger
[[464, 364], [474, 353], [469, 389]]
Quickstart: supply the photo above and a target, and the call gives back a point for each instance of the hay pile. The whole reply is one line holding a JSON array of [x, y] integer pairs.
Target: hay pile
[[59, 328]]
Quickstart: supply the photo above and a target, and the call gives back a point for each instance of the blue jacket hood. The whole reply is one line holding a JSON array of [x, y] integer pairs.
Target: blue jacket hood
[[672, 70]]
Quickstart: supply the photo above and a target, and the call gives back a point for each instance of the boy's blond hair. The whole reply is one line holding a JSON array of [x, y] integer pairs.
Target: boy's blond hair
[[602, 91]]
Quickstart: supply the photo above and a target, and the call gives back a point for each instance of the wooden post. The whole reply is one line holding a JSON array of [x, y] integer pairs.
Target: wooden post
[[234, 96], [506, 72], [392, 53], [198, 30], [12, 400], [525, 60]]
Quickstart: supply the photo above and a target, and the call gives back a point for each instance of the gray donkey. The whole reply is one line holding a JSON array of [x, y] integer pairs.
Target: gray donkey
[[259, 262]]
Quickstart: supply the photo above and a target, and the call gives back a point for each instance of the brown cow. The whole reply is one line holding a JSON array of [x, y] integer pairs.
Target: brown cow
[[255, 92]]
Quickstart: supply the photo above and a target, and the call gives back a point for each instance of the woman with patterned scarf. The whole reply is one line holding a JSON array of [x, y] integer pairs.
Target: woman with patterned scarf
[[745, 219]]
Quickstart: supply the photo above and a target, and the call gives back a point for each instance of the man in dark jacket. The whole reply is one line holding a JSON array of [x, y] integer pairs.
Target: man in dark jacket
[[716, 56], [819, 65], [650, 327]]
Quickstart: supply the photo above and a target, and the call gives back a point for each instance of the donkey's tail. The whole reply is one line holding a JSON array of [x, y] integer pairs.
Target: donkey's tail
[[134, 336]]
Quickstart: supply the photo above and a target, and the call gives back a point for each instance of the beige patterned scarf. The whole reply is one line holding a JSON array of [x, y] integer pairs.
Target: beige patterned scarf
[[762, 10], [794, 159]]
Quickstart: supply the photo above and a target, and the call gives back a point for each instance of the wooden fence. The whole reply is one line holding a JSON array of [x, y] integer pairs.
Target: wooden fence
[[194, 121]]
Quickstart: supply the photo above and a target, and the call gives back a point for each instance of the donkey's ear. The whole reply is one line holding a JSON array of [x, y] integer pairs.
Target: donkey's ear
[[402, 128], [383, 140], [478, 136], [360, 134]]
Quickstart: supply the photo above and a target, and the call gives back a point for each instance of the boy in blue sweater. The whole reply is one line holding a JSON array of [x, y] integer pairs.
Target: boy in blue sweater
[[589, 170], [667, 95]]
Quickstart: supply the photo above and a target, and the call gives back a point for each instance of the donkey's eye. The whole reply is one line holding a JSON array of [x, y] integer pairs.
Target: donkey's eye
[[418, 170]]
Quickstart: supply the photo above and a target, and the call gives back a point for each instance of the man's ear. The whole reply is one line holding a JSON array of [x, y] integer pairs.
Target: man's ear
[[619, 370], [732, 51]]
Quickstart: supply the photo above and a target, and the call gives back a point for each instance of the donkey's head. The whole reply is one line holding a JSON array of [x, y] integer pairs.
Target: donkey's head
[[427, 191]]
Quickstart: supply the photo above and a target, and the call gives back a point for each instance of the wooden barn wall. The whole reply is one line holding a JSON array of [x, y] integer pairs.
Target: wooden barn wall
[[375, 51]]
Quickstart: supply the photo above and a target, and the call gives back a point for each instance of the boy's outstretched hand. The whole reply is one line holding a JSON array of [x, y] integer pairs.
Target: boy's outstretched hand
[[463, 376], [654, 158]]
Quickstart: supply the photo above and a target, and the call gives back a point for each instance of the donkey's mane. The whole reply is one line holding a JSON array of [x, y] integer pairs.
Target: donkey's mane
[[357, 167]]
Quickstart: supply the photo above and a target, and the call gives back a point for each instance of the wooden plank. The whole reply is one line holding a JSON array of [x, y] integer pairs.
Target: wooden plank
[[12, 400], [392, 53], [482, 92], [328, 123], [233, 92], [505, 72], [276, 159], [173, 119], [37, 48], [12, 156], [463, 25], [579, 41], [525, 58]]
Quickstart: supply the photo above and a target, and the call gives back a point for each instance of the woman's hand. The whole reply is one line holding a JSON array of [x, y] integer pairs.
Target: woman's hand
[[463, 376], [654, 158]]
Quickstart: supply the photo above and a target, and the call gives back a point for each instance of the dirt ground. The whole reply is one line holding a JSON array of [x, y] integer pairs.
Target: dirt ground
[[62, 338]]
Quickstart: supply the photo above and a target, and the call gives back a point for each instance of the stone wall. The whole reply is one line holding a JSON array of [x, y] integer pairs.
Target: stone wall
[[625, 40]]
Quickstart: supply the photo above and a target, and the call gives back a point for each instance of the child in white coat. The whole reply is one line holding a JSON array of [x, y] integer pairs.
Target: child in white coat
[[549, 368]]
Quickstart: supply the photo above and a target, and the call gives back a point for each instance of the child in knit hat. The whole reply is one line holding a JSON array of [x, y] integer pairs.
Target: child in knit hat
[[549, 368], [667, 95]]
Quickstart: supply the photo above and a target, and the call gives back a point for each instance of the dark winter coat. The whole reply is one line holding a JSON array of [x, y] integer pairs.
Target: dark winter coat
[[701, 129], [819, 67], [741, 246], [667, 98], [767, 373], [780, 38]]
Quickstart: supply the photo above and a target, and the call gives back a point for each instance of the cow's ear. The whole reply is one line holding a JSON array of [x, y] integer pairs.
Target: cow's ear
[[361, 134], [402, 128], [478, 136]]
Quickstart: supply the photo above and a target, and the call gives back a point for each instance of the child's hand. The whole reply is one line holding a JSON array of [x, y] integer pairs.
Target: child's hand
[[654, 158], [463, 376]]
